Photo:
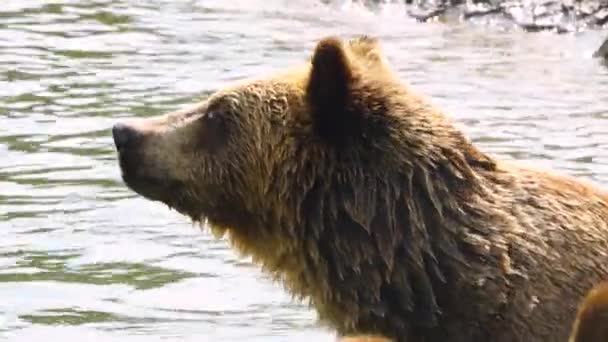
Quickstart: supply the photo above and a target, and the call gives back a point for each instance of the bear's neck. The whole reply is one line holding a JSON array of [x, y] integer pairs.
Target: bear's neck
[[361, 247]]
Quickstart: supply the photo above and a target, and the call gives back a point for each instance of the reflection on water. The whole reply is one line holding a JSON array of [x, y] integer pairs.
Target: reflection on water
[[82, 256]]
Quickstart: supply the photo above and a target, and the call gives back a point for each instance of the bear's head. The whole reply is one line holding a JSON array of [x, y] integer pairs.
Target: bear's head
[[222, 158], [275, 151]]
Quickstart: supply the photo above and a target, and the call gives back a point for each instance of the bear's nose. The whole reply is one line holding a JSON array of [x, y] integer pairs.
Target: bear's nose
[[124, 135]]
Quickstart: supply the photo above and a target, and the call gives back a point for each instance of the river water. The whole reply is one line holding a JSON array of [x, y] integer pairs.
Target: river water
[[83, 258]]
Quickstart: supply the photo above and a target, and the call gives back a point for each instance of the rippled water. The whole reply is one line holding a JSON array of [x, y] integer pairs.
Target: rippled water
[[83, 258]]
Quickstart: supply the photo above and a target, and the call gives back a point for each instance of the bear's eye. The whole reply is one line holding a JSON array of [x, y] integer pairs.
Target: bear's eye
[[213, 131], [209, 115], [212, 117]]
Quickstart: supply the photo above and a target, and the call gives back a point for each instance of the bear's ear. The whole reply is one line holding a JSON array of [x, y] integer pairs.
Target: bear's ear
[[329, 86], [330, 75]]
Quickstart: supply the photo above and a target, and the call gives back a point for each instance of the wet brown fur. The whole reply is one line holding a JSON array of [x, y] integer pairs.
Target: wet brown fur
[[362, 197], [591, 323]]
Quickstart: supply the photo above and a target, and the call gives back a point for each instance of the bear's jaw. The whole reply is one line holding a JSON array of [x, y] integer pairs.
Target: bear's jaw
[[172, 193], [152, 188], [156, 186], [168, 193]]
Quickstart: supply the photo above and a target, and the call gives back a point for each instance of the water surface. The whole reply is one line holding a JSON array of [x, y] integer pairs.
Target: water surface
[[83, 258]]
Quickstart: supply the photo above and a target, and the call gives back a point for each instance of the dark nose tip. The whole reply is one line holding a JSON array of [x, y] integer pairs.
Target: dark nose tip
[[124, 135]]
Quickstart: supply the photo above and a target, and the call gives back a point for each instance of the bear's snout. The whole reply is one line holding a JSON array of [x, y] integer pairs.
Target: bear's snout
[[125, 135]]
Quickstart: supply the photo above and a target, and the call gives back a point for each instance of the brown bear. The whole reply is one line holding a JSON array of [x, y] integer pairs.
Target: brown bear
[[363, 198]]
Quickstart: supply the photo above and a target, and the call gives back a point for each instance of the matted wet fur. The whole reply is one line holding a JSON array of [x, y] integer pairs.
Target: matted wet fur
[[591, 323], [362, 197]]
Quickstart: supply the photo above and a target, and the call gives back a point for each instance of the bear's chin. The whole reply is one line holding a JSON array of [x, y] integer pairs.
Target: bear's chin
[[170, 193], [149, 188]]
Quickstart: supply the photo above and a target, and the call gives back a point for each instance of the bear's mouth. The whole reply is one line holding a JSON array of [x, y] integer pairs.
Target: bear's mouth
[[150, 187], [158, 187], [170, 193]]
